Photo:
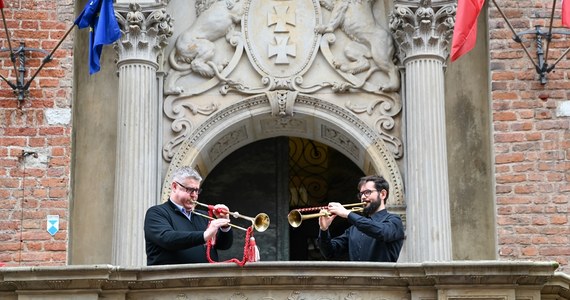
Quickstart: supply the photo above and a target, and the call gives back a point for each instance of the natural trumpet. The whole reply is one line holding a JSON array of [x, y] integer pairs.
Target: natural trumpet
[[259, 223], [295, 217]]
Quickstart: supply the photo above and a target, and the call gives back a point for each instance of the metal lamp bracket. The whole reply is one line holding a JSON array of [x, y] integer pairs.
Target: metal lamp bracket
[[20, 87], [542, 67]]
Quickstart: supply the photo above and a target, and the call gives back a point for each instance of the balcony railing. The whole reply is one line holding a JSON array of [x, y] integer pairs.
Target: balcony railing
[[290, 280]]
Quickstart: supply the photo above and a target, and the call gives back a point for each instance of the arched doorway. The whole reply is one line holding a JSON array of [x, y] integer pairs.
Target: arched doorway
[[231, 131], [274, 176]]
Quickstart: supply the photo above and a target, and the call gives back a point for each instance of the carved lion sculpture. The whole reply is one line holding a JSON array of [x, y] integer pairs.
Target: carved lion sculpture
[[369, 39], [194, 50]]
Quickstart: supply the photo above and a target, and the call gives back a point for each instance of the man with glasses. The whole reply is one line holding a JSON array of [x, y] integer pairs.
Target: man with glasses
[[175, 234], [376, 235]]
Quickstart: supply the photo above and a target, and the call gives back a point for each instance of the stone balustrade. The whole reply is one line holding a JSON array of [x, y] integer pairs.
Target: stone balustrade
[[290, 280]]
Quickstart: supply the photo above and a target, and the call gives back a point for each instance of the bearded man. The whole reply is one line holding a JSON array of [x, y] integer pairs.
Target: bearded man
[[376, 235]]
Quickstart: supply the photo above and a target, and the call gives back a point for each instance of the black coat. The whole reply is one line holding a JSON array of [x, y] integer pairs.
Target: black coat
[[378, 238], [173, 239]]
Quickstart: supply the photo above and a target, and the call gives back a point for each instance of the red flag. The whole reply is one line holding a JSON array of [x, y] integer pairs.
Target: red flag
[[1, 3], [465, 31], [566, 13]]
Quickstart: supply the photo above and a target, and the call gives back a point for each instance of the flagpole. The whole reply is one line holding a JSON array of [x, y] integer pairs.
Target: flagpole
[[8, 82], [517, 37], [48, 57], [549, 36], [12, 57], [550, 68]]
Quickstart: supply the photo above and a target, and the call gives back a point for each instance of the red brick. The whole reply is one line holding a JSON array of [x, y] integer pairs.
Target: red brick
[[505, 116], [509, 158], [530, 251]]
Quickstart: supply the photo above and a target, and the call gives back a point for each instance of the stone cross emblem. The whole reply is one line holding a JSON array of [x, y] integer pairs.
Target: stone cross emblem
[[280, 37], [282, 49], [281, 17]]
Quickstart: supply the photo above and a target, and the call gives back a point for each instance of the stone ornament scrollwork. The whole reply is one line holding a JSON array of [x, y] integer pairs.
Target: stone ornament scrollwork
[[282, 39], [145, 32], [197, 55], [422, 29], [181, 125], [387, 109], [370, 48], [195, 49]]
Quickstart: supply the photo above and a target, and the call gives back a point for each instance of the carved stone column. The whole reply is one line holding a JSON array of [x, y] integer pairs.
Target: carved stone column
[[145, 30], [422, 31]]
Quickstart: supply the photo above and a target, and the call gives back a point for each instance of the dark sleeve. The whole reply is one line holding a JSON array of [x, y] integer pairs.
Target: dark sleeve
[[224, 240], [158, 229], [331, 248], [388, 229]]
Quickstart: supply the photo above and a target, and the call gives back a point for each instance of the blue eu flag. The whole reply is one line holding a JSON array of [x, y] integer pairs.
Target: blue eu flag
[[99, 16]]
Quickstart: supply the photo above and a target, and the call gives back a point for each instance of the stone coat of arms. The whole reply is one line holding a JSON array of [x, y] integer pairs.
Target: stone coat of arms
[[281, 39], [320, 48]]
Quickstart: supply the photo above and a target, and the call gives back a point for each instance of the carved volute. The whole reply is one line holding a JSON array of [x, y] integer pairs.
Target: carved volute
[[423, 28]]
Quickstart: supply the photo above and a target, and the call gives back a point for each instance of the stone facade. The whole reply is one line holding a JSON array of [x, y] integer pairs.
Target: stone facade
[[358, 111]]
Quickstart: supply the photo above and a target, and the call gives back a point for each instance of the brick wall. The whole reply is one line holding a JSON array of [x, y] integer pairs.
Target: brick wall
[[35, 136], [531, 135]]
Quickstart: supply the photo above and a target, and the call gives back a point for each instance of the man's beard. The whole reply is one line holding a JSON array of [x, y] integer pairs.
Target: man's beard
[[372, 207]]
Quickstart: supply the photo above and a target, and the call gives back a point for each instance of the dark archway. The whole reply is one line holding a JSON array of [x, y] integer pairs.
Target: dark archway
[[274, 176]]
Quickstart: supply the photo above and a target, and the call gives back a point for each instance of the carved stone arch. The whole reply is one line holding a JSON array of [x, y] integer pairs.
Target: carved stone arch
[[254, 119]]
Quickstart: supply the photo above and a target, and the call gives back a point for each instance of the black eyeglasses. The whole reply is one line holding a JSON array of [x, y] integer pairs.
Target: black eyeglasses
[[189, 190], [366, 193]]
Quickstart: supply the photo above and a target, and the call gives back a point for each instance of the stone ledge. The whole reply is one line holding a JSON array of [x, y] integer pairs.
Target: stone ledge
[[290, 280]]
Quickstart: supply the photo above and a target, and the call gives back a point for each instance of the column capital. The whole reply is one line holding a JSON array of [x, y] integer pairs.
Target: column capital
[[423, 28], [146, 29]]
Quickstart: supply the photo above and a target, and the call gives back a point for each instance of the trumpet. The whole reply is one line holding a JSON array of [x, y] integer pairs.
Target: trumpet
[[259, 223], [295, 217]]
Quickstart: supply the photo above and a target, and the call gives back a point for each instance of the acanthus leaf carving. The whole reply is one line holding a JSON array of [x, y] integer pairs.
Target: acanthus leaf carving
[[422, 29], [145, 33]]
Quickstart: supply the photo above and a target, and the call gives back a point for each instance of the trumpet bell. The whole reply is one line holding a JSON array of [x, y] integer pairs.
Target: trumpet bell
[[261, 222], [295, 218]]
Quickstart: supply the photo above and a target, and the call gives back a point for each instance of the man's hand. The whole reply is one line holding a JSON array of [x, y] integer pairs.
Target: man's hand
[[336, 208], [214, 226], [325, 221], [221, 211]]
